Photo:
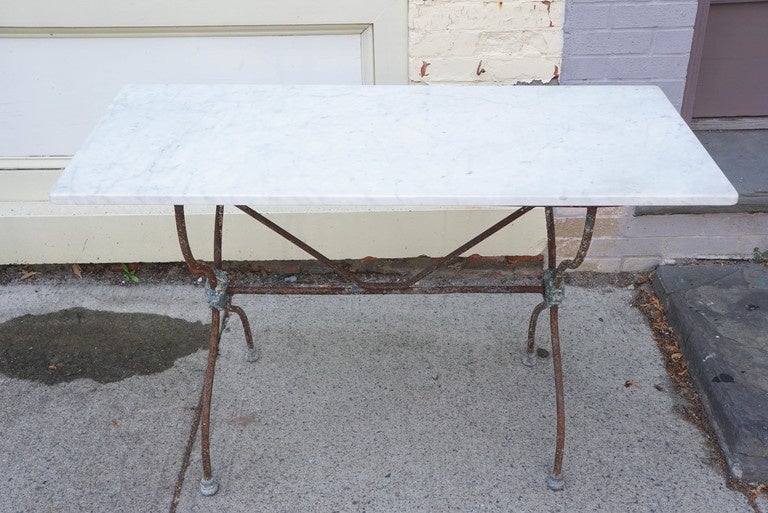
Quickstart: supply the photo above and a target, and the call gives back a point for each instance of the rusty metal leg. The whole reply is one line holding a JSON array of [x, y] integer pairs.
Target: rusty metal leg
[[195, 267], [208, 484], [555, 481], [252, 353], [529, 360], [553, 296], [218, 226]]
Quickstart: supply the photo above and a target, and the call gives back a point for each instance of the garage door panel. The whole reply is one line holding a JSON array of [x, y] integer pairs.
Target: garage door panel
[[60, 86]]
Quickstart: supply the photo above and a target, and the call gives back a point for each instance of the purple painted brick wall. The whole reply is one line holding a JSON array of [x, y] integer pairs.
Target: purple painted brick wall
[[643, 42], [629, 42]]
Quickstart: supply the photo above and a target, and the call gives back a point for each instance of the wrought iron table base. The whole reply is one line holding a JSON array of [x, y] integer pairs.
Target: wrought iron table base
[[219, 296]]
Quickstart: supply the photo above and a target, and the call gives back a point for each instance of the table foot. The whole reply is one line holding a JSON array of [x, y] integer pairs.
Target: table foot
[[252, 355], [209, 487], [529, 359], [555, 482]]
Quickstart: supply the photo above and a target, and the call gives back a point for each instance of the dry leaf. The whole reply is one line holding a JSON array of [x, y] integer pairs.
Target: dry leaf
[[76, 269], [114, 423], [629, 383], [243, 421], [52, 367], [27, 274], [754, 493]]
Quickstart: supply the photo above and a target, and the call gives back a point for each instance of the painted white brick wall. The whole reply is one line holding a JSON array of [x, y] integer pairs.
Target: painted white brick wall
[[464, 41]]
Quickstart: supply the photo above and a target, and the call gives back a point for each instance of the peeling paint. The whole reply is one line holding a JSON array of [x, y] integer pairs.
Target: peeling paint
[[423, 71], [548, 3], [522, 40]]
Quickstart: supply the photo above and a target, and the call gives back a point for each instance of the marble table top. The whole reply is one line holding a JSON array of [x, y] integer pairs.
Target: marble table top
[[392, 146]]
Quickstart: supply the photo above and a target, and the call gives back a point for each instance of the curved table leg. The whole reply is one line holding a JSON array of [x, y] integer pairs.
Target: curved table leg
[[218, 301], [529, 360], [555, 481], [252, 354], [208, 484], [553, 296]]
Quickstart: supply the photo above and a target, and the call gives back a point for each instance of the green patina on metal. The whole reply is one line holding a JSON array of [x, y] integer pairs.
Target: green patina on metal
[[218, 298], [553, 295]]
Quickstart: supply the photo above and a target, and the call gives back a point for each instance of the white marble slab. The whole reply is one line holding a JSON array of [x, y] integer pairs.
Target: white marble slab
[[392, 146]]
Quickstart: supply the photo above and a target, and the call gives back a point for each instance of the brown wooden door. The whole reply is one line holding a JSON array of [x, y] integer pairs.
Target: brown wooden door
[[733, 75]]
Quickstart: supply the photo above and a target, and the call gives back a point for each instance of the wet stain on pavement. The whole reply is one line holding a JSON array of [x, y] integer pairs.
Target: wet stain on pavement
[[104, 346]]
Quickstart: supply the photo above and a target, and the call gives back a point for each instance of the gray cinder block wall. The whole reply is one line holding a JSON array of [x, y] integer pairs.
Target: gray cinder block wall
[[629, 42], [644, 42]]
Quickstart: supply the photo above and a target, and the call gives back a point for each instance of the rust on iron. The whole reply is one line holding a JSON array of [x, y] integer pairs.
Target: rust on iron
[[217, 234], [205, 411], [550, 286], [310, 290], [529, 347], [244, 320], [195, 266], [557, 468], [581, 253], [401, 285]]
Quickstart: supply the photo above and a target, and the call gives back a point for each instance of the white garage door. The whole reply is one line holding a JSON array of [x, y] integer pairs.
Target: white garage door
[[54, 89]]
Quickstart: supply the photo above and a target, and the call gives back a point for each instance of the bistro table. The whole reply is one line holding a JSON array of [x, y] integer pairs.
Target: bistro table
[[258, 147]]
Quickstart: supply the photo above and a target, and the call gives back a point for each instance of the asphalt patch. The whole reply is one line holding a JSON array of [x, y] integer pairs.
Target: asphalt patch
[[78, 343], [718, 312]]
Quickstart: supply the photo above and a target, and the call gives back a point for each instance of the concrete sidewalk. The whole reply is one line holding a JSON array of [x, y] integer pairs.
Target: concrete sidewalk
[[366, 403]]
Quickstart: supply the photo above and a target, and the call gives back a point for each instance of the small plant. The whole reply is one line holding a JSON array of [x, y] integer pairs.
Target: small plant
[[760, 257], [129, 275]]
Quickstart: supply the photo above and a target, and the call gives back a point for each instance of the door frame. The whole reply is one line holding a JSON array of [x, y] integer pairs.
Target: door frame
[[697, 51]]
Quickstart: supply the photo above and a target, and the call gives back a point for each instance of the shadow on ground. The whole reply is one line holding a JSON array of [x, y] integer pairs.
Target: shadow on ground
[[103, 346]]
